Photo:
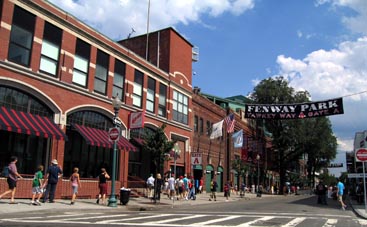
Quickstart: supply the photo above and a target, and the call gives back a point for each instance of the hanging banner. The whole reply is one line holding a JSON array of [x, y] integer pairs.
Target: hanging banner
[[294, 111]]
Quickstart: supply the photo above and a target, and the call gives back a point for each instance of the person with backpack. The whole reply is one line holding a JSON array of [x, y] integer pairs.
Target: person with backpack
[[213, 189], [12, 179]]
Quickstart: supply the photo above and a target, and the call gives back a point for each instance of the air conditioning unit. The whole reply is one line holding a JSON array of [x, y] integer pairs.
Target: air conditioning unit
[[195, 54]]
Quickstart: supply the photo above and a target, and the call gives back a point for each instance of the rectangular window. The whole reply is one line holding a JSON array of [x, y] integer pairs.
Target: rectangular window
[[201, 125], [162, 100], [119, 80], [81, 63], [180, 107], [50, 51], [196, 123], [101, 74], [150, 95], [138, 88], [21, 37], [208, 127]]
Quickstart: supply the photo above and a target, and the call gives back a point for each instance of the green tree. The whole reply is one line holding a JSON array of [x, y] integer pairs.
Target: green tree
[[241, 167], [157, 145], [294, 138]]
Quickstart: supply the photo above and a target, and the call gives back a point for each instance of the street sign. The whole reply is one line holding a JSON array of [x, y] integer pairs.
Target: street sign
[[361, 154], [355, 175], [117, 121], [114, 134]]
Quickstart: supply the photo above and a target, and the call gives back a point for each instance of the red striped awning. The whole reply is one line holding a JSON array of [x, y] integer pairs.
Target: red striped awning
[[99, 138], [26, 123]]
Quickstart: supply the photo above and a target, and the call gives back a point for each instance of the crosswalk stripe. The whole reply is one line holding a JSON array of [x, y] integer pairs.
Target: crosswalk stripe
[[94, 217], [330, 223], [294, 222], [135, 218], [247, 224], [177, 219], [214, 220]]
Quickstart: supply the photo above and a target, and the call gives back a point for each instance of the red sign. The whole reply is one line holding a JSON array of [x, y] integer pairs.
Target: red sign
[[361, 154], [114, 134]]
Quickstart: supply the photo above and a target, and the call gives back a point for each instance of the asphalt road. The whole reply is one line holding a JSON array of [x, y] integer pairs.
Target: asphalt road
[[287, 211]]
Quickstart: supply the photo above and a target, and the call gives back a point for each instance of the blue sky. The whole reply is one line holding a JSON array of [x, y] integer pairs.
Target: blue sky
[[318, 45]]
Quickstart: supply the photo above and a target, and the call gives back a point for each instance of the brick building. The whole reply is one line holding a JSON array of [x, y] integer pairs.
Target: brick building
[[57, 79], [218, 155]]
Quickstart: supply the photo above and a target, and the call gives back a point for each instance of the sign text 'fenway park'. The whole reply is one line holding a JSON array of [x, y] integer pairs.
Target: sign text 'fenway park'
[[294, 111]]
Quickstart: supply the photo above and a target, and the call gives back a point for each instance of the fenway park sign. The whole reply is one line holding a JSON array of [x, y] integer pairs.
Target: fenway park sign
[[294, 111]]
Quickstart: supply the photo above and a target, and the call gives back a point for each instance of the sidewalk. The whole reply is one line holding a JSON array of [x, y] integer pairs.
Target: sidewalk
[[134, 204], [138, 204], [358, 209]]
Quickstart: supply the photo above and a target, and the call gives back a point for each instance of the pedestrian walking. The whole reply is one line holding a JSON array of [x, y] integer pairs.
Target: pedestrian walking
[[192, 189], [226, 190], [54, 172], [75, 184], [159, 185], [37, 189], [340, 193], [12, 179], [321, 193], [102, 185], [213, 190], [185, 187], [171, 187], [150, 186]]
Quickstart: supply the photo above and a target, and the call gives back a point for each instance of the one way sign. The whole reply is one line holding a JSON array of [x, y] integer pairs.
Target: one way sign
[[196, 159]]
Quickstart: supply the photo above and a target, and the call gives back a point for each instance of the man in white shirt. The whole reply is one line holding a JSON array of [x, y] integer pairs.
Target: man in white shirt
[[171, 186], [150, 186]]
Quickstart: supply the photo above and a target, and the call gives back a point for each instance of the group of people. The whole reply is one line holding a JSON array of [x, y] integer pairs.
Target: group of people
[[41, 186], [44, 187], [323, 192], [180, 188]]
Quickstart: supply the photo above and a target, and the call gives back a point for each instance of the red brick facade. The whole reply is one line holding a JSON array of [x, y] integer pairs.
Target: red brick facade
[[63, 97]]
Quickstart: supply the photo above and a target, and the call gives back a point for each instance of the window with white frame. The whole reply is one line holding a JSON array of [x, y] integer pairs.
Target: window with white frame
[[180, 107], [21, 36], [50, 51], [150, 103], [138, 88], [101, 73], [119, 80], [81, 63]]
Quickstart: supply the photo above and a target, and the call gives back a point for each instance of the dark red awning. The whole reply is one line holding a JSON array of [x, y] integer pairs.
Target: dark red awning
[[99, 138], [26, 123]]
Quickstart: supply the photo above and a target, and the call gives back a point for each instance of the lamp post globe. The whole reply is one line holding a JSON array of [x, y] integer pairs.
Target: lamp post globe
[[112, 202]]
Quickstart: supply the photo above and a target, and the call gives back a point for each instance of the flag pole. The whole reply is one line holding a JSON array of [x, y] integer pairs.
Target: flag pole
[[147, 44]]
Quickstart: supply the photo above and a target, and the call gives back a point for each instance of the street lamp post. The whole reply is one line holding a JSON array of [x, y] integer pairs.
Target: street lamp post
[[258, 175], [112, 202]]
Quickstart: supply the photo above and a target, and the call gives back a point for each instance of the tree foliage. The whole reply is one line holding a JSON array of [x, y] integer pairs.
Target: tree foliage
[[157, 145], [292, 139]]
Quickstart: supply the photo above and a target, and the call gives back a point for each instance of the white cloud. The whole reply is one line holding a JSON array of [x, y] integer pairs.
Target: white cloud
[[334, 73], [115, 18], [356, 23]]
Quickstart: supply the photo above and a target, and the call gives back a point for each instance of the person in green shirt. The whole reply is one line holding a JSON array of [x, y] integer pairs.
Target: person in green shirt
[[37, 190]]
